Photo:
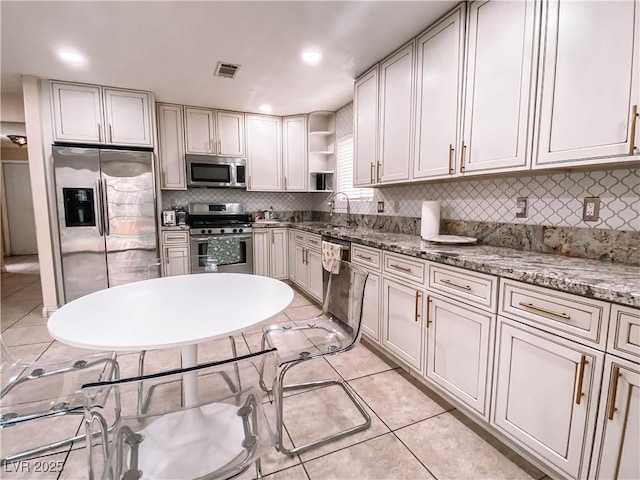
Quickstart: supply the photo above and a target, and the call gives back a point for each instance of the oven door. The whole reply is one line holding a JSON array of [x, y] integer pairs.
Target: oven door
[[199, 246]]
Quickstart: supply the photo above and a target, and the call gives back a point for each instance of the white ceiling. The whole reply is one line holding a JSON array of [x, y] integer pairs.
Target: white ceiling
[[171, 48]]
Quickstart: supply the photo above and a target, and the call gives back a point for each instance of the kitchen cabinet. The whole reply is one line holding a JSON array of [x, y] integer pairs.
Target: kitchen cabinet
[[438, 123], [291, 261], [199, 130], [365, 133], [499, 85], [459, 351], [270, 253], [370, 260], [322, 136], [101, 115], [264, 153], [175, 252], [171, 147], [615, 452], [546, 394], [229, 139], [402, 326], [294, 157], [308, 263], [590, 83], [396, 120]]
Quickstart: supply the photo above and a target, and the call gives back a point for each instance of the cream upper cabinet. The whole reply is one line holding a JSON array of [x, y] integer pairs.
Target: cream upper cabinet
[[615, 453], [264, 153], [199, 128], [589, 83], [439, 66], [171, 147], [396, 116], [128, 118], [365, 122], [295, 153], [230, 141], [499, 86], [93, 114], [545, 395]]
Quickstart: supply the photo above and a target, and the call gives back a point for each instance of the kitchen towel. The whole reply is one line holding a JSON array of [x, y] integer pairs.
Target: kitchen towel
[[331, 256], [430, 224], [225, 250]]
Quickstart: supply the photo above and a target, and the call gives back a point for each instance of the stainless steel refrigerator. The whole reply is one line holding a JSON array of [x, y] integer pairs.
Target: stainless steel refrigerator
[[106, 217]]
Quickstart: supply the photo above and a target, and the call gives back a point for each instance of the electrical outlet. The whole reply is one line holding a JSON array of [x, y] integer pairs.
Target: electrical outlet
[[521, 207], [380, 207], [591, 209]]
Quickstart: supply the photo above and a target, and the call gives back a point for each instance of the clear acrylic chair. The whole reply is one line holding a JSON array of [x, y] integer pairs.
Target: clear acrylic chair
[[221, 429], [42, 390], [334, 330]]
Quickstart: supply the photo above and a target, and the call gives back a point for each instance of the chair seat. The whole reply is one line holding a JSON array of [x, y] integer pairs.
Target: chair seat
[[193, 451]]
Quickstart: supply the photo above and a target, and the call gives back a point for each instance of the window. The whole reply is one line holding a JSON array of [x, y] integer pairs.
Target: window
[[344, 171]]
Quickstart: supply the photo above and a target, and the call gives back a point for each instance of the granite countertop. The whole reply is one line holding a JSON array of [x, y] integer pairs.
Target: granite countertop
[[606, 281]]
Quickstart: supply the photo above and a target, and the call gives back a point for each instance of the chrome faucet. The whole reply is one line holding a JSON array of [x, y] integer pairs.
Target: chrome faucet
[[331, 203]]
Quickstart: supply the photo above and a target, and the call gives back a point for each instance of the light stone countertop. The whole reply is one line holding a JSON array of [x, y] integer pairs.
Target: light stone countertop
[[606, 281]]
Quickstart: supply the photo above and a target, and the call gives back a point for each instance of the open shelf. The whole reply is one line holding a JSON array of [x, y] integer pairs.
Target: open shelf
[[321, 159]]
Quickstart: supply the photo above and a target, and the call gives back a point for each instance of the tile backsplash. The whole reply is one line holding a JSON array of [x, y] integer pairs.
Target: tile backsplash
[[553, 199]]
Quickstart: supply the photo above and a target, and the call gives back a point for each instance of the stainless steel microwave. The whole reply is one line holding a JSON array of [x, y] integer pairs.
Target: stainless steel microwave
[[210, 171]]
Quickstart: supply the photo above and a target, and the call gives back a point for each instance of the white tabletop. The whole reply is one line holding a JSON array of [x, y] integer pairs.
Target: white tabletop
[[169, 312]]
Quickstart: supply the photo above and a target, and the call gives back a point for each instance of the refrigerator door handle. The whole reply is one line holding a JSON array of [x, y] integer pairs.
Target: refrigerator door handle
[[105, 204], [100, 221]]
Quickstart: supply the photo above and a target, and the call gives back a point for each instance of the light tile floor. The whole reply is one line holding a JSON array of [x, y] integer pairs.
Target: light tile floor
[[414, 434]]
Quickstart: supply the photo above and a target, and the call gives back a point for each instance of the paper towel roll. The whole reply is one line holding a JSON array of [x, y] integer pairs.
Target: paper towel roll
[[430, 219]]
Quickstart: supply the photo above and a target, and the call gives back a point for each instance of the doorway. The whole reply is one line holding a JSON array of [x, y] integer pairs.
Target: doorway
[[20, 234]]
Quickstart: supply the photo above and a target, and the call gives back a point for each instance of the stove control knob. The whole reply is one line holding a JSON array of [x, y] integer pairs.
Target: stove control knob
[[235, 230], [240, 230], [209, 231], [203, 231], [222, 230]]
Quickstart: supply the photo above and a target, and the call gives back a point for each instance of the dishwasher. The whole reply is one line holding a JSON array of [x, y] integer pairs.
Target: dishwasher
[[341, 283]]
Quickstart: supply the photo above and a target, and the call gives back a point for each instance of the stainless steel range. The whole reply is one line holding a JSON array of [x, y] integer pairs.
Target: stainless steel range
[[211, 220]]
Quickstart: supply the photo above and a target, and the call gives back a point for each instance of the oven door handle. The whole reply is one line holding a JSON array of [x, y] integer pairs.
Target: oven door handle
[[204, 239]]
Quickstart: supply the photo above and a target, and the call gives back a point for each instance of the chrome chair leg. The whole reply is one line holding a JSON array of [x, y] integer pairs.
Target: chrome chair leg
[[279, 389]]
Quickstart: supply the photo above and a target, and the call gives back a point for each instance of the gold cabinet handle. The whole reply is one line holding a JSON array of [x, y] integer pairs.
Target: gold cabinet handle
[[373, 169], [417, 315], [285, 183], [303, 257], [632, 139], [449, 282], [249, 182], [402, 269], [110, 134], [462, 150], [99, 133], [272, 236], [614, 391], [364, 257], [378, 172], [563, 316], [306, 256], [450, 158], [428, 311], [579, 394]]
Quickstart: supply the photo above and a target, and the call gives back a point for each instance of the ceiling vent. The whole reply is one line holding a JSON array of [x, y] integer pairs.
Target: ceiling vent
[[226, 70]]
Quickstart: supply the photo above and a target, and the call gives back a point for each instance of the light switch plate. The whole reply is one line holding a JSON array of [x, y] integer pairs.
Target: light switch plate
[[380, 207], [522, 204], [591, 209]]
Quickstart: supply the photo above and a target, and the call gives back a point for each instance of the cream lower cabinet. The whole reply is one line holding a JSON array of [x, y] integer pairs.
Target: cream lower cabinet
[[459, 351], [615, 454], [546, 391], [403, 309], [270, 253], [369, 259], [307, 263], [175, 253]]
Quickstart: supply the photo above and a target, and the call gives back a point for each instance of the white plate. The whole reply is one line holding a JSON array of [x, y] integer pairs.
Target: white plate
[[450, 239]]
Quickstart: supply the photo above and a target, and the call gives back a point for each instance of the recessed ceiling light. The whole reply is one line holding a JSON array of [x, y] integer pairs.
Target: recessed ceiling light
[[72, 58], [264, 108], [312, 57]]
